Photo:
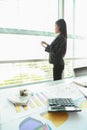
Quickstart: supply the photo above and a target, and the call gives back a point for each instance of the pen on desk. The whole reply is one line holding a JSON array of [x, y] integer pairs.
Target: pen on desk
[[80, 84]]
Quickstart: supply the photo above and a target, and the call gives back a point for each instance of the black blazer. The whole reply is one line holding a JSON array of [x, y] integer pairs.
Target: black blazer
[[57, 50]]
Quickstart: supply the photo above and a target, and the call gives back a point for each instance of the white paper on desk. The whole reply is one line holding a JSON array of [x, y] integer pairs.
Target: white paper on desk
[[20, 100], [81, 85], [83, 90], [64, 91]]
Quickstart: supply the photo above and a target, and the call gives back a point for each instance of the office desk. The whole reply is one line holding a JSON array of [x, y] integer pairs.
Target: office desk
[[11, 116]]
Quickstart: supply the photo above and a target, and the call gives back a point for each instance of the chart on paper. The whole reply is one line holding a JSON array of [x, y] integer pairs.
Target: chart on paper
[[37, 100]]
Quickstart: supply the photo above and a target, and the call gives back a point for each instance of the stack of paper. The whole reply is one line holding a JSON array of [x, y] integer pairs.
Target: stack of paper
[[19, 100]]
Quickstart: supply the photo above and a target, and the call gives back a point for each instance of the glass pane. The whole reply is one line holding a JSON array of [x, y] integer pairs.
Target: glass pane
[[69, 53], [80, 62], [24, 73], [30, 72], [29, 14], [68, 71], [38, 14], [21, 47], [8, 13], [80, 18], [80, 50], [68, 15]]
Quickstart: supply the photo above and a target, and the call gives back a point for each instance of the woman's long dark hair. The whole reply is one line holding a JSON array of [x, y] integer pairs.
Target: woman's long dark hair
[[63, 28]]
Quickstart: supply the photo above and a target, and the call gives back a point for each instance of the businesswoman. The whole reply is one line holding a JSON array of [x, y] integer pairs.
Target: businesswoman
[[57, 49]]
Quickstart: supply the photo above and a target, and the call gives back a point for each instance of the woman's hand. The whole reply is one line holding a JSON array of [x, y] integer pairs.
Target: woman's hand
[[44, 44]]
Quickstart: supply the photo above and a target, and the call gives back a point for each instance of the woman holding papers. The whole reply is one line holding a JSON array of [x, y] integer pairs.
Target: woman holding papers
[[57, 49]]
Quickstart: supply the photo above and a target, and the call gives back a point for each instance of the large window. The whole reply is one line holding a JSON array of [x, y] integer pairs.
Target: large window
[[80, 18], [74, 14], [31, 18], [80, 47], [22, 47], [24, 24], [28, 14], [80, 28]]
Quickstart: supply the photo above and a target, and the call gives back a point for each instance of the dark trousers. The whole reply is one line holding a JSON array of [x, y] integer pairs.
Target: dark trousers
[[57, 71]]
